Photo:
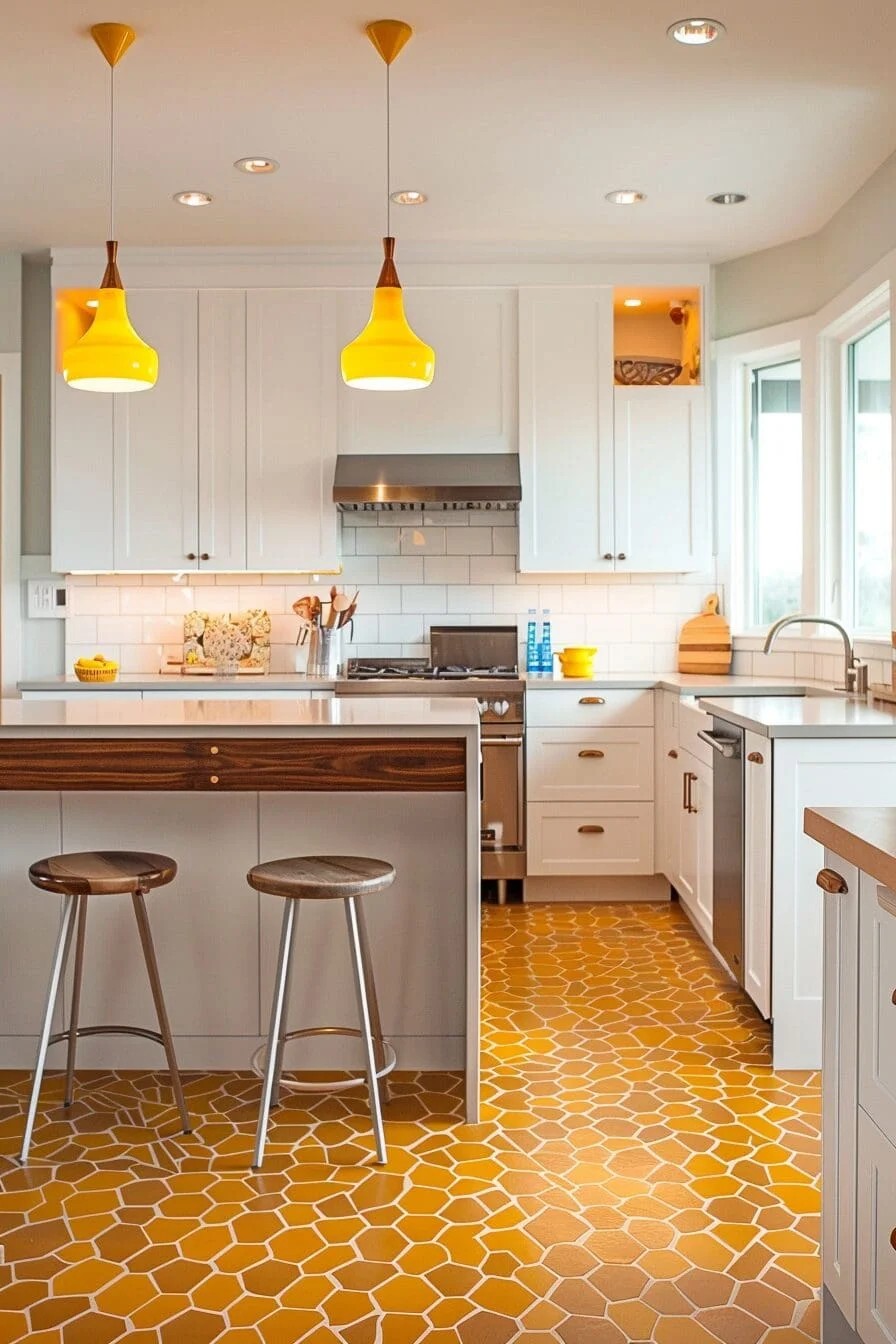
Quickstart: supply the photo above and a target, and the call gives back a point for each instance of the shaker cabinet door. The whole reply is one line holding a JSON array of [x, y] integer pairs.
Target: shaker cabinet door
[[222, 429], [82, 523], [155, 436], [661, 472], [758, 871], [292, 359], [566, 429]]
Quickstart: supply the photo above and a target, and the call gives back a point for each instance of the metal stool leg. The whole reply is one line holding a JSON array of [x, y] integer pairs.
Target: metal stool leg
[[281, 1040], [275, 1032], [376, 1114], [155, 985], [60, 956], [376, 1025], [76, 1000]]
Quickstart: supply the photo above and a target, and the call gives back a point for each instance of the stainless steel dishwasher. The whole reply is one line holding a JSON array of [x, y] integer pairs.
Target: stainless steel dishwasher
[[727, 742]]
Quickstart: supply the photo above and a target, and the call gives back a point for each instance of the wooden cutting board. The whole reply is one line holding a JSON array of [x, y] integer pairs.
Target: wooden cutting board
[[704, 645]]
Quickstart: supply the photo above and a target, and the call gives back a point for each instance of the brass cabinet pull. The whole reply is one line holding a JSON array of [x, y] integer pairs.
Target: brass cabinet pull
[[893, 1238], [674, 754], [832, 882], [598, 755], [893, 998], [756, 757], [215, 750], [214, 779], [592, 700], [684, 790], [591, 830], [687, 801]]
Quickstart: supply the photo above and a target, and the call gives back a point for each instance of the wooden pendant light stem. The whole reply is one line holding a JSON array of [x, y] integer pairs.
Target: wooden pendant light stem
[[388, 275], [111, 279]]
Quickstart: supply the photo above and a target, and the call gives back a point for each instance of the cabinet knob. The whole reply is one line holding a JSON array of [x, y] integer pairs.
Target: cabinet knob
[[674, 754], [621, 555], [832, 882], [205, 556], [756, 757], [608, 555], [893, 1238], [191, 555], [214, 779], [215, 750], [591, 830], [597, 755], [592, 700]]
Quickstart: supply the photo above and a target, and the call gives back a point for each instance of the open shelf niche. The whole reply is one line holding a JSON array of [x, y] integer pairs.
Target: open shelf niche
[[657, 340]]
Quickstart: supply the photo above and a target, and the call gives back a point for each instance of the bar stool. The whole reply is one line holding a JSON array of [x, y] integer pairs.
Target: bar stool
[[76, 877], [317, 878]]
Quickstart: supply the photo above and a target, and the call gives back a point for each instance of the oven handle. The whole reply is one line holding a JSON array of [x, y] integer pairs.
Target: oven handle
[[501, 742]]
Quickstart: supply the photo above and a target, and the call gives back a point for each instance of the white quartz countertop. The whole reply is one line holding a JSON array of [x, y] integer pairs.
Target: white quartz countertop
[[812, 715], [684, 682], [175, 681], [385, 716]]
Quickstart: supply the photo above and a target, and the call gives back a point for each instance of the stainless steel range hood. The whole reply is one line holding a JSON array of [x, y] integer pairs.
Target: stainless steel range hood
[[411, 481]]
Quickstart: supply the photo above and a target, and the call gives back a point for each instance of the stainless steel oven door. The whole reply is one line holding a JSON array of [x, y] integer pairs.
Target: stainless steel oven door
[[502, 791]]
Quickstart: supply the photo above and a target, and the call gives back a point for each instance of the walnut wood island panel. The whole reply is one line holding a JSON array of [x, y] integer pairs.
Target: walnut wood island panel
[[393, 778]]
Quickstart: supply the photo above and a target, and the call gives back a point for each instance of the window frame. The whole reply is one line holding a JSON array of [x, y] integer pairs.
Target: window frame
[[750, 578]]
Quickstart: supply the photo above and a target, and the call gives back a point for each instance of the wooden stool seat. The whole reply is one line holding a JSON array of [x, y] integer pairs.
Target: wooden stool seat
[[321, 877], [102, 873]]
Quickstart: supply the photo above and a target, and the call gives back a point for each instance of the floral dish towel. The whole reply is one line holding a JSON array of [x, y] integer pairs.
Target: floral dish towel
[[242, 637]]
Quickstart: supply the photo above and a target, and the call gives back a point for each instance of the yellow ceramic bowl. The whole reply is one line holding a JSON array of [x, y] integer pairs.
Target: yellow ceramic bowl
[[578, 661]]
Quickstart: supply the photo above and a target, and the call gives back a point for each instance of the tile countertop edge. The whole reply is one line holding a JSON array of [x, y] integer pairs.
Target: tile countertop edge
[[863, 836]]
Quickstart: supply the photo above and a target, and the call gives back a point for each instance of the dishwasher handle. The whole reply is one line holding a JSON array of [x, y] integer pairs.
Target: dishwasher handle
[[729, 747]]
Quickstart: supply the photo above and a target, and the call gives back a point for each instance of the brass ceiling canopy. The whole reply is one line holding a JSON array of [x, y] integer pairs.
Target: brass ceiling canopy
[[113, 40], [389, 36]]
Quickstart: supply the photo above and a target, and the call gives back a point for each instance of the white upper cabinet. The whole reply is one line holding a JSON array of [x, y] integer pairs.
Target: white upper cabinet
[[156, 510], [614, 478], [293, 376], [660, 454], [82, 479], [566, 429], [222, 429], [471, 404]]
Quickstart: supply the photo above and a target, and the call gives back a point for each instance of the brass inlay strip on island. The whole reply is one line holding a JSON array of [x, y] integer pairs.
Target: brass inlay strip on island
[[304, 765]]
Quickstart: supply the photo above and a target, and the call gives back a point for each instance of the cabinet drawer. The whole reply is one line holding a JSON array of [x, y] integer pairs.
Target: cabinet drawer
[[575, 764], [589, 839], [692, 721], [877, 1006], [589, 708], [876, 1236]]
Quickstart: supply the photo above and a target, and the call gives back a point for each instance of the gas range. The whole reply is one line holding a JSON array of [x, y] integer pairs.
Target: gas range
[[499, 690]]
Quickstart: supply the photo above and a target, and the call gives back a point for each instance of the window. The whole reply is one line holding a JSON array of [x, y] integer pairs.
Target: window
[[774, 549], [868, 471]]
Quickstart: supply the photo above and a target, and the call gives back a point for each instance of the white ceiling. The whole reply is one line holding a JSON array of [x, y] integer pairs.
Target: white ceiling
[[515, 116]]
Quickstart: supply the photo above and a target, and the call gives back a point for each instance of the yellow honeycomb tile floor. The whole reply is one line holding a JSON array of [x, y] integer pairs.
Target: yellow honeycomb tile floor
[[640, 1174]]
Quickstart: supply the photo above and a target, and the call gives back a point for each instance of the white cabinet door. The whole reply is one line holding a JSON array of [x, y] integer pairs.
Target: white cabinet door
[[471, 404], [292, 358], [566, 429], [156, 476], [662, 497], [877, 1005], [694, 883], [876, 1236], [758, 871], [222, 429], [668, 786], [82, 531], [839, 1099]]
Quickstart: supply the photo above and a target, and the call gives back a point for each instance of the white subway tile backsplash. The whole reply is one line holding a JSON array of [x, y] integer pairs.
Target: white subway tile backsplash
[[383, 600], [634, 597], [579, 597], [608, 629], [378, 541], [775, 664], [495, 569], [146, 658], [423, 598], [408, 629], [505, 541], [267, 597], [422, 541], [401, 569], [652, 629], [119, 580], [514, 598], [477, 599], [446, 569], [631, 658], [119, 629], [163, 630], [360, 569], [469, 541], [143, 601], [81, 629]]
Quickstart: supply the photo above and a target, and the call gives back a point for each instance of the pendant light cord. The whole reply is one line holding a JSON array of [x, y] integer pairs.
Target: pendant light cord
[[111, 151], [388, 154]]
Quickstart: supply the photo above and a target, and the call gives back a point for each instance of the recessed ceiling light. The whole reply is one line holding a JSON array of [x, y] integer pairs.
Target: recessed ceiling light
[[257, 165], [631, 303], [728, 198], [696, 32], [192, 198], [409, 197], [625, 197]]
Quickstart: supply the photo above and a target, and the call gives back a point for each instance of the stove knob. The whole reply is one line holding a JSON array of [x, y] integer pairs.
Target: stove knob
[[501, 707]]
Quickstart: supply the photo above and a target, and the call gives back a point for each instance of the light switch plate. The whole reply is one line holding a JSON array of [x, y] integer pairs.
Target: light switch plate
[[47, 599]]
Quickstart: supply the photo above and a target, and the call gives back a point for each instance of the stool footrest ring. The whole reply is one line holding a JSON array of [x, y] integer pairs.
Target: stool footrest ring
[[342, 1084], [110, 1031]]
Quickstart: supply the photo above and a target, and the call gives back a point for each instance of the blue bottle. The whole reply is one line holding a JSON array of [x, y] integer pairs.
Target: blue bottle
[[546, 658], [533, 653]]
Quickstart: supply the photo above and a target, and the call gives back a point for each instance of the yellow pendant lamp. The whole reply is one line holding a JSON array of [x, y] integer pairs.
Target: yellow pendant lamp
[[388, 356], [110, 356]]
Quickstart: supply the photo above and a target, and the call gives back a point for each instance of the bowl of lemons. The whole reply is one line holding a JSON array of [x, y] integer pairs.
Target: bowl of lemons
[[96, 669]]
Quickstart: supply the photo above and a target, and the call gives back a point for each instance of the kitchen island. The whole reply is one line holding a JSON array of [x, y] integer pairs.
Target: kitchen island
[[220, 786]]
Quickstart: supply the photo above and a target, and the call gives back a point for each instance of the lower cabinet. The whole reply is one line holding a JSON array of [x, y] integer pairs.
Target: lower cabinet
[[758, 871], [875, 1235], [694, 878], [668, 787]]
